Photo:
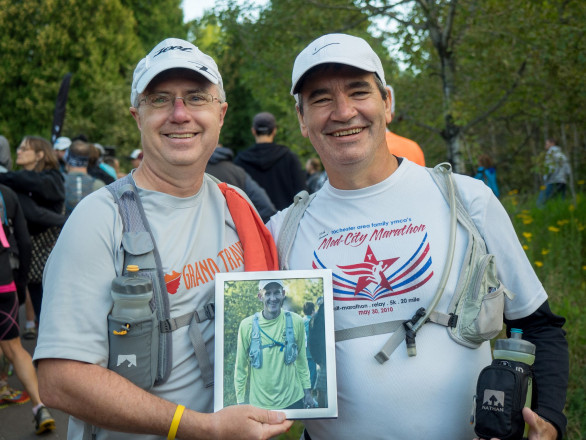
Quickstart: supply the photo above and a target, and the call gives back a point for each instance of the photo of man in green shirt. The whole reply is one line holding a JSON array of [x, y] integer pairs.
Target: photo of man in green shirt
[[271, 362]]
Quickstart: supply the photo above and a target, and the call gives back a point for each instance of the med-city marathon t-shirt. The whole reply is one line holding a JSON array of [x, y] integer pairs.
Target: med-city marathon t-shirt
[[196, 238], [386, 245]]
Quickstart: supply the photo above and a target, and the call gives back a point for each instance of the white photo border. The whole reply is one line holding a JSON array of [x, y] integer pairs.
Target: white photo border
[[331, 409]]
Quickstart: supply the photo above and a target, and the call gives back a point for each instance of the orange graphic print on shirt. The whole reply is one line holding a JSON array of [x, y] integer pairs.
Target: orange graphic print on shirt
[[204, 271], [172, 281]]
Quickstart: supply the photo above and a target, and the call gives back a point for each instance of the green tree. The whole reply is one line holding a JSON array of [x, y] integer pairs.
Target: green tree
[[95, 40], [255, 52], [490, 75], [156, 21]]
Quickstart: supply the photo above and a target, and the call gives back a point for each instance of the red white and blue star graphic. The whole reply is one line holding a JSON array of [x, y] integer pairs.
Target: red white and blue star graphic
[[373, 278]]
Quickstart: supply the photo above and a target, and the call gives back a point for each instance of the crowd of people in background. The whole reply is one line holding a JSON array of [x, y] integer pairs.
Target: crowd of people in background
[[37, 198]]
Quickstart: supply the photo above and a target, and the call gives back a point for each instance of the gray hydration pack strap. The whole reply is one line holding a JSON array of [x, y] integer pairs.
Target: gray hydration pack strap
[[289, 227], [140, 249], [442, 175], [289, 348]]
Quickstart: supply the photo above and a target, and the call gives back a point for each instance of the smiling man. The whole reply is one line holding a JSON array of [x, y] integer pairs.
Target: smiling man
[[381, 224], [271, 363], [179, 105]]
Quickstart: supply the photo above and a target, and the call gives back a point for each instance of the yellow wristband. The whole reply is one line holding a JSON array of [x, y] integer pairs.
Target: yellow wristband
[[175, 422]]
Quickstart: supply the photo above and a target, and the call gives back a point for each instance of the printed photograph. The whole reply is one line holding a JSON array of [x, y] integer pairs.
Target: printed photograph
[[275, 345]]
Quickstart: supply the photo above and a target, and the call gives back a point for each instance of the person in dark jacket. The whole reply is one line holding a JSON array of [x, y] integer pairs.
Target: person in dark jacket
[[221, 167], [274, 167], [41, 193]]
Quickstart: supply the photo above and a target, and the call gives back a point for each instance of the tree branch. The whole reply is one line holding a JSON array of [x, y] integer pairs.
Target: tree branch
[[405, 117], [447, 32], [500, 102]]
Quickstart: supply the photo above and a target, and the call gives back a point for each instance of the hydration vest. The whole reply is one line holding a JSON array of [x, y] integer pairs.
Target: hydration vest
[[256, 347]]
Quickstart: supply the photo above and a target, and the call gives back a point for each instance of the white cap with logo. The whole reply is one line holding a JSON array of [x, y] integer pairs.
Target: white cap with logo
[[136, 154], [264, 283], [62, 143], [336, 48], [172, 53]]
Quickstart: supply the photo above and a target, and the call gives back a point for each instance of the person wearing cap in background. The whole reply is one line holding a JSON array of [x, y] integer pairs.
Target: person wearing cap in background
[[271, 363], [135, 157], [401, 146], [60, 147], [178, 103], [274, 167], [380, 223], [78, 183]]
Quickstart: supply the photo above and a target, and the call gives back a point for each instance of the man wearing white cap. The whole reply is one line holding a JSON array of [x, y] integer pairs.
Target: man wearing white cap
[[271, 364], [381, 224], [135, 157], [60, 147], [179, 104]]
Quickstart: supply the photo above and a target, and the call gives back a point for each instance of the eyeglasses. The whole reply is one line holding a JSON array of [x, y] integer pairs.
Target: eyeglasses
[[23, 148], [167, 100]]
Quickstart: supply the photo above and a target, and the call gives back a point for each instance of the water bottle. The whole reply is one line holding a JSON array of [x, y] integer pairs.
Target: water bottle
[[517, 349], [131, 295]]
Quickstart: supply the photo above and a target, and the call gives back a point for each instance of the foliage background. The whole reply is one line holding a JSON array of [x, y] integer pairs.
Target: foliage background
[[494, 76], [99, 42]]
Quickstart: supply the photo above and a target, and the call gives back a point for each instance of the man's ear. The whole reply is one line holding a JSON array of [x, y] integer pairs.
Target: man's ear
[[389, 107], [134, 113], [259, 296], [223, 110], [302, 126]]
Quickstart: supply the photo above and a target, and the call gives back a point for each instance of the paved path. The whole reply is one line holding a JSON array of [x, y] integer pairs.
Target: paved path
[[16, 421]]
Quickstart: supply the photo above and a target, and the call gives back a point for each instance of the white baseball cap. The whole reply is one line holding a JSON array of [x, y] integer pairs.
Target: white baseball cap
[[337, 48], [62, 143], [172, 53], [136, 154], [264, 283]]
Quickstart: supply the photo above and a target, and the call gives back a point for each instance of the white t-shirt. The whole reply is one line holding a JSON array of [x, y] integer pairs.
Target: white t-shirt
[[386, 245], [196, 238]]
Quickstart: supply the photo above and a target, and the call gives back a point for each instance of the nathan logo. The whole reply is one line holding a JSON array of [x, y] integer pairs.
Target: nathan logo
[[493, 400], [379, 275]]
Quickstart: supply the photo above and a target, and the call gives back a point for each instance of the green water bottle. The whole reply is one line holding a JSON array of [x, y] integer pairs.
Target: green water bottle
[[517, 349]]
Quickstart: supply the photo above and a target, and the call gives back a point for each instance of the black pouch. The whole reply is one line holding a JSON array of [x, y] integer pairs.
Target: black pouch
[[501, 393]]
